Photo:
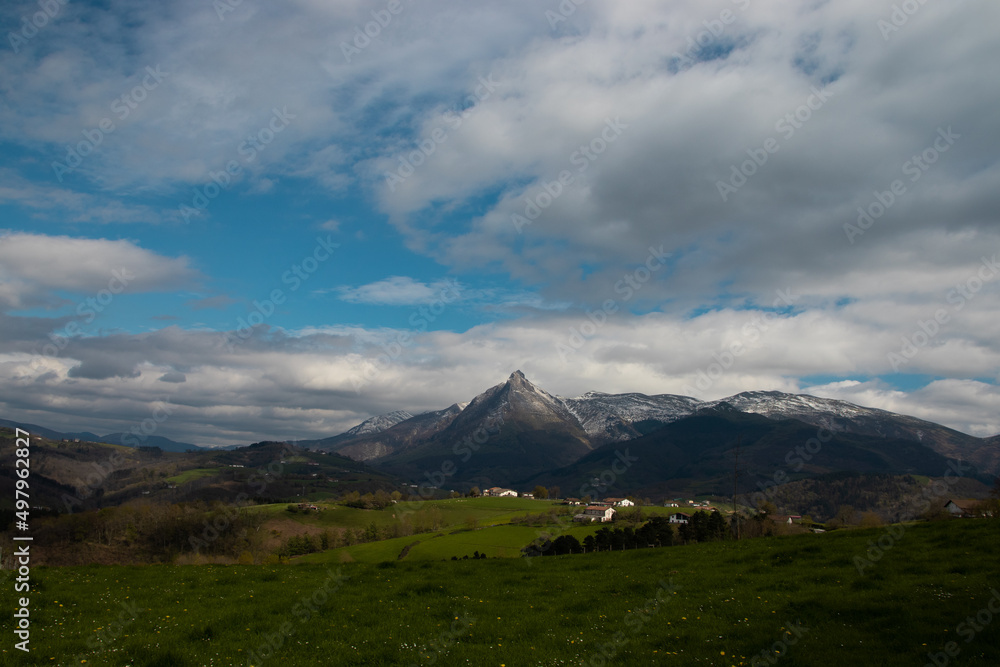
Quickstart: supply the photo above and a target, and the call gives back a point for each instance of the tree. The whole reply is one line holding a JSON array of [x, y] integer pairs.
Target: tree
[[845, 514], [766, 507], [716, 526], [554, 492], [565, 544], [541, 492], [475, 492]]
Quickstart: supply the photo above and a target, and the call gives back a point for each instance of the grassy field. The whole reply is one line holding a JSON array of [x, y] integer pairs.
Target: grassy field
[[721, 603], [453, 512], [503, 541], [192, 474]]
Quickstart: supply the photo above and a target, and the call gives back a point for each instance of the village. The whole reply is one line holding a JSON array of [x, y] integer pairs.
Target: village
[[603, 511]]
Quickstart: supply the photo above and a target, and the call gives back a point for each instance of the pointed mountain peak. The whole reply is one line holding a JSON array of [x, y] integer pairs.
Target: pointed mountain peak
[[518, 381]]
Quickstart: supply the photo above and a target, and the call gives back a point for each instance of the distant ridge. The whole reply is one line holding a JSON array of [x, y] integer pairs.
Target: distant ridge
[[125, 439]]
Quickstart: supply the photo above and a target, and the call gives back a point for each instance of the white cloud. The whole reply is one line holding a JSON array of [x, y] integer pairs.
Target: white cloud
[[306, 384], [688, 124], [401, 291], [33, 266]]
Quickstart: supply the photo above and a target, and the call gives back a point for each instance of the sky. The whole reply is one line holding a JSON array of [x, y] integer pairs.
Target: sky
[[278, 219]]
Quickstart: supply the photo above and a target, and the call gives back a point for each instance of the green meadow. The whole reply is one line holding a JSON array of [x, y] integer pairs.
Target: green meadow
[[795, 600], [192, 474]]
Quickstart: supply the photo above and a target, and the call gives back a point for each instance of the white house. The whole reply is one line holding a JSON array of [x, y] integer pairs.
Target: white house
[[961, 508], [678, 517], [497, 491], [527, 495], [619, 502], [597, 513]]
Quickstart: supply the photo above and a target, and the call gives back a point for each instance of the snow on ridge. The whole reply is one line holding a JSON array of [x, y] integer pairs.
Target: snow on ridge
[[379, 423]]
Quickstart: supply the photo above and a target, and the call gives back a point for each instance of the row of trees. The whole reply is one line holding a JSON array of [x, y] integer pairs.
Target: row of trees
[[656, 532]]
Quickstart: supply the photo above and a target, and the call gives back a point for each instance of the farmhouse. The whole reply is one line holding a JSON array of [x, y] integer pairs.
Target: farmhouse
[[527, 495], [496, 491], [619, 502], [596, 513], [961, 508], [678, 517]]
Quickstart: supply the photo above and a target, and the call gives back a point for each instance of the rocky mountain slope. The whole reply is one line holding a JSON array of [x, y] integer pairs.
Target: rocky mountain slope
[[526, 423]]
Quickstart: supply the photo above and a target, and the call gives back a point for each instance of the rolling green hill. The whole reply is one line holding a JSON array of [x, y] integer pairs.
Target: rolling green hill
[[796, 600]]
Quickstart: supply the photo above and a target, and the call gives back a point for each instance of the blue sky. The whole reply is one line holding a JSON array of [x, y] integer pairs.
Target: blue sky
[[697, 197]]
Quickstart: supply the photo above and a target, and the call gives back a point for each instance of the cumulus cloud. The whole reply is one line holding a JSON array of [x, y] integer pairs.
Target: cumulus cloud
[[743, 148], [34, 266], [319, 382]]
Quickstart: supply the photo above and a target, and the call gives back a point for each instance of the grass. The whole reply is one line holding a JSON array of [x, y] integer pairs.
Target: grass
[[496, 542], [450, 513], [192, 474], [708, 604]]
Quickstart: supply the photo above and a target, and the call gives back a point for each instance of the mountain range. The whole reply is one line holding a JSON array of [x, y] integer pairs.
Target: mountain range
[[516, 433], [127, 439]]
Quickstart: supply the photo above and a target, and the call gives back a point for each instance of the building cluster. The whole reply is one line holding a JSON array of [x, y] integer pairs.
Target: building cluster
[[599, 510]]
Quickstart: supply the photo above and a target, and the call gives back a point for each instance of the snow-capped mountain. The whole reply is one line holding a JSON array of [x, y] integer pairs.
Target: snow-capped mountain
[[510, 431], [532, 424], [775, 404], [843, 417], [379, 423], [610, 417]]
